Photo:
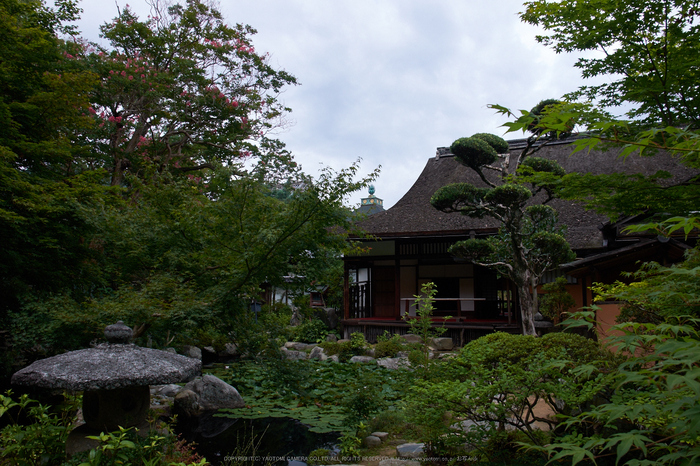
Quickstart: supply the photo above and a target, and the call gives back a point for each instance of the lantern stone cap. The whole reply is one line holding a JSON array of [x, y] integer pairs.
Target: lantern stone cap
[[109, 366]]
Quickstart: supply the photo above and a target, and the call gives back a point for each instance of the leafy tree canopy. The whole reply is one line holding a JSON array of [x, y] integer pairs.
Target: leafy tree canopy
[[142, 181], [650, 49]]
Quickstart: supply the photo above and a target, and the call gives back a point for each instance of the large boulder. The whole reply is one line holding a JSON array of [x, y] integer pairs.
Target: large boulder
[[442, 344], [362, 359], [318, 354], [294, 355], [192, 352], [411, 338], [207, 393], [410, 450], [393, 363]]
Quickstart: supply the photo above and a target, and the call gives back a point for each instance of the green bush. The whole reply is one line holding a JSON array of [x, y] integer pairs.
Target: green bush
[[388, 345], [498, 380], [42, 440], [346, 349], [556, 301], [310, 331]]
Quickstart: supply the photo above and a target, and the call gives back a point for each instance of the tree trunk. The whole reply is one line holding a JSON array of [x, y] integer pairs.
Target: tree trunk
[[527, 311]]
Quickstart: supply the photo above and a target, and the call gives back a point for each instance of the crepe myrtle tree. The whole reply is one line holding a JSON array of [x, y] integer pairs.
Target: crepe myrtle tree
[[182, 93], [529, 241]]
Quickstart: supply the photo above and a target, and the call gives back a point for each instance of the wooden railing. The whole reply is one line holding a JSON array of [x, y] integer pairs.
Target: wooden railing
[[407, 302]]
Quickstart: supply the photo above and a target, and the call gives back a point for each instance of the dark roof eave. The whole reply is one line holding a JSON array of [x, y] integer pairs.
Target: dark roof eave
[[581, 264], [427, 234]]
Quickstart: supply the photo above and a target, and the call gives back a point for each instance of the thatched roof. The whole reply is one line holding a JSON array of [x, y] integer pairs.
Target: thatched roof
[[414, 216]]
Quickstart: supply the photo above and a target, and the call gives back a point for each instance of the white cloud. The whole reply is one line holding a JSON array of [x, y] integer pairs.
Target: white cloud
[[391, 80]]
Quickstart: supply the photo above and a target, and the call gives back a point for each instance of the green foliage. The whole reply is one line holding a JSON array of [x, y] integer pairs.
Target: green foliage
[[314, 392], [556, 301], [318, 456], [650, 52], [652, 415], [457, 197], [507, 197], [138, 181], [388, 345], [539, 164], [422, 325], [356, 346], [657, 292], [538, 112], [363, 403], [350, 444], [529, 242], [310, 331], [473, 152], [42, 441], [498, 144], [497, 380], [473, 249]]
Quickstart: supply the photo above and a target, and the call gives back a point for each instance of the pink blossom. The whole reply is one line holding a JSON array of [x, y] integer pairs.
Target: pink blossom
[[131, 77], [123, 73]]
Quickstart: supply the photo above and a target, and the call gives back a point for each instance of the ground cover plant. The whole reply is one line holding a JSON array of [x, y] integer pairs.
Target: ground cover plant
[[35, 434], [327, 396]]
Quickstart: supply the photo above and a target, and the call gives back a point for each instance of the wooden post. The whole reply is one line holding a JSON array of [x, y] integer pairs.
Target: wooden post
[[346, 292]]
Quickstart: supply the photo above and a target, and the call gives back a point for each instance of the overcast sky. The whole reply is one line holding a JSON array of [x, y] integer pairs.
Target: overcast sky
[[389, 81]]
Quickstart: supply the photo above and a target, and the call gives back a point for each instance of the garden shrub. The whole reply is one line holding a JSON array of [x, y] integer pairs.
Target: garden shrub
[[310, 331], [497, 380], [345, 350], [388, 345], [42, 439], [651, 416]]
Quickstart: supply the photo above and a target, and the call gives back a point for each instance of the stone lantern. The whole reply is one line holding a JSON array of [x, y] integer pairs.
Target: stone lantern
[[114, 378]]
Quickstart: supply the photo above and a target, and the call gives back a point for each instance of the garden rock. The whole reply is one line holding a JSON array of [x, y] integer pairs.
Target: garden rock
[[410, 450], [187, 402], [442, 344], [380, 435], [318, 354], [362, 359], [393, 363], [372, 441], [192, 352], [369, 352], [331, 337], [334, 358], [332, 318], [298, 346], [398, 462], [294, 355], [230, 349], [411, 338], [212, 393], [167, 391]]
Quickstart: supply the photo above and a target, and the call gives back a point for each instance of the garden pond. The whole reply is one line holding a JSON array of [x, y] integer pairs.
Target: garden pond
[[293, 407]]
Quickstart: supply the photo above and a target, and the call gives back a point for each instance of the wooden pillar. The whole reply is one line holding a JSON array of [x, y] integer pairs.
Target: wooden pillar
[[397, 288], [346, 291]]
